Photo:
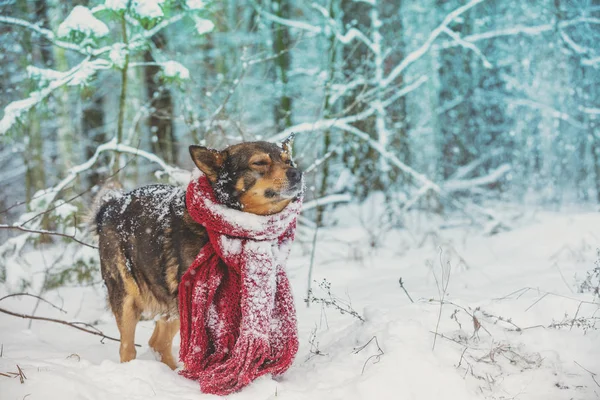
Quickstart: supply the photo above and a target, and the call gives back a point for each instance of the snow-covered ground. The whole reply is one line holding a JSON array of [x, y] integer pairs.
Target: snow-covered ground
[[495, 334]]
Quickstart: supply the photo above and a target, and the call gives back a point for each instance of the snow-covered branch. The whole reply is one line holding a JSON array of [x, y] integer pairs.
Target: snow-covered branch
[[417, 54], [590, 110], [546, 108], [468, 45], [520, 30], [405, 90], [465, 170], [517, 30], [46, 33], [466, 184], [331, 199], [290, 23], [75, 76], [345, 38]]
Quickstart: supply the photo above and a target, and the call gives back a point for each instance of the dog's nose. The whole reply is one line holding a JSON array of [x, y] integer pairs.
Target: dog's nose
[[294, 174]]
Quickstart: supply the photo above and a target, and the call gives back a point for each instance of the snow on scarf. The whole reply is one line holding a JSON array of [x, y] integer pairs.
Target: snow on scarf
[[238, 320]]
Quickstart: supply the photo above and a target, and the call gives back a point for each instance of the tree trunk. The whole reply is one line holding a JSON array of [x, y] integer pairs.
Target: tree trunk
[[64, 126], [92, 124], [328, 112], [35, 177], [281, 46], [161, 117]]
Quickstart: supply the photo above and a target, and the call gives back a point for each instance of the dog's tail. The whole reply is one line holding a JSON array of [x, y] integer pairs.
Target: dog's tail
[[109, 190]]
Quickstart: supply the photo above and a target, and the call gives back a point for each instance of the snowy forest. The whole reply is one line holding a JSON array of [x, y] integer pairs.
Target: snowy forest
[[451, 156]]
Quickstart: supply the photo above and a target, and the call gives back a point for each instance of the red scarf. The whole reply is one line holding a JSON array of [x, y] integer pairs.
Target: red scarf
[[237, 313]]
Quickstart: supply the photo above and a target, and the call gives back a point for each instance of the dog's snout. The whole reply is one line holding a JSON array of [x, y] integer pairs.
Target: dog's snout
[[294, 174]]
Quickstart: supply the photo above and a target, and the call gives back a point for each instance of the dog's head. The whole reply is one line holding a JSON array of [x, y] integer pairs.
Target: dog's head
[[256, 177]]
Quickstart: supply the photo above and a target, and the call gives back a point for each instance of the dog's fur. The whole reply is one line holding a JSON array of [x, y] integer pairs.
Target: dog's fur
[[147, 239]]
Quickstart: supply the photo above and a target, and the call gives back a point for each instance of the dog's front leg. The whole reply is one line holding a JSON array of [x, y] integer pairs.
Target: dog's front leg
[[127, 321]]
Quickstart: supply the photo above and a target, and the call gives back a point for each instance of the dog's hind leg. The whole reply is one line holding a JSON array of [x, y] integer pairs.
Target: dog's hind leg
[[162, 339], [127, 321]]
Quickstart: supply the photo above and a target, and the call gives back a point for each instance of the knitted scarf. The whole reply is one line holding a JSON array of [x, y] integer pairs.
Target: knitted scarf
[[237, 314]]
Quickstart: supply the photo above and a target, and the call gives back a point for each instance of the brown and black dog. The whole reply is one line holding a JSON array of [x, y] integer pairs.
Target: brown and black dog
[[148, 240]]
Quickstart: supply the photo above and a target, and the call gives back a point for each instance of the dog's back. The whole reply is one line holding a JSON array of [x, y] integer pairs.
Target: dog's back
[[146, 243]]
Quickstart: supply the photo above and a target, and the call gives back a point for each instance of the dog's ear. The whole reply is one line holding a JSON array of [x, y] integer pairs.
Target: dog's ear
[[287, 143], [209, 161]]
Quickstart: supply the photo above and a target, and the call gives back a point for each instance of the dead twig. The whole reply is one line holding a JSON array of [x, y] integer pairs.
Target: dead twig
[[20, 374], [442, 290], [499, 319], [592, 374], [462, 355], [476, 324], [401, 282], [332, 301], [524, 290], [535, 302], [376, 356], [314, 345], [575, 317]]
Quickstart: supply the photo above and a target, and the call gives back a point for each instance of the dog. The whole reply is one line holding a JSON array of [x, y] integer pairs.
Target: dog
[[147, 239]]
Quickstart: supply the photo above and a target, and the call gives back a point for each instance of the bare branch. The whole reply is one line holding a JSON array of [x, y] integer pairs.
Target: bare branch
[[46, 232], [35, 297], [60, 321]]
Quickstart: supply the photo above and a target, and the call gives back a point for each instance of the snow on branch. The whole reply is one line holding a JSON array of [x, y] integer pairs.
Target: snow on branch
[[171, 69], [464, 170], [466, 184], [468, 45], [75, 76], [81, 20], [591, 62], [346, 38], [590, 110], [289, 22], [405, 90], [548, 109], [517, 30], [520, 30], [417, 54], [46, 33], [331, 199]]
